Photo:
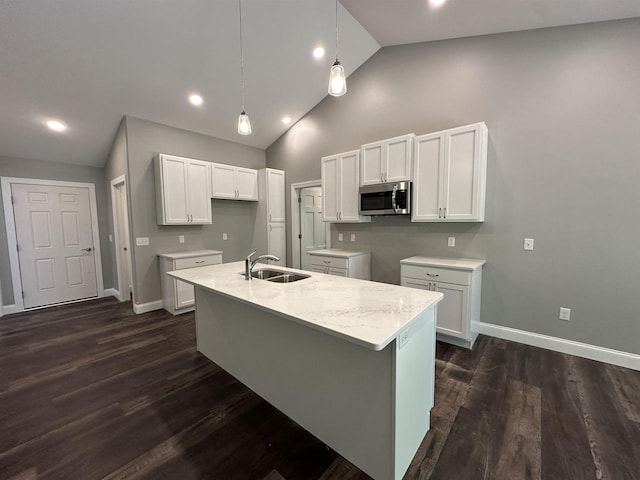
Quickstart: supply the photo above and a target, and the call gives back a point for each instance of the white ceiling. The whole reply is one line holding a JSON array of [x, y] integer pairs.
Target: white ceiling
[[91, 62]]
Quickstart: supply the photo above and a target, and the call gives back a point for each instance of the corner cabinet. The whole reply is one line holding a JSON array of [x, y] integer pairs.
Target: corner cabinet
[[460, 280], [182, 190], [386, 161], [449, 176], [272, 195], [233, 183], [340, 183]]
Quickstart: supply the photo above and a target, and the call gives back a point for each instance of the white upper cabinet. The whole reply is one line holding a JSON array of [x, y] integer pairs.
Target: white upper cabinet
[[340, 188], [182, 190], [387, 160], [275, 196], [449, 179], [233, 183]]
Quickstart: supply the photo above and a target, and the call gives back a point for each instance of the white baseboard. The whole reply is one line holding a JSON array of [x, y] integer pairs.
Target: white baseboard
[[147, 307], [9, 309], [112, 292], [585, 350]]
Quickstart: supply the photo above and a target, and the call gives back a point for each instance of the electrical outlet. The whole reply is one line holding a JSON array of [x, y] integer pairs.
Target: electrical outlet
[[110, 238], [181, 238], [565, 314], [451, 241], [340, 237], [225, 236], [528, 244], [353, 237], [404, 338], [142, 241]]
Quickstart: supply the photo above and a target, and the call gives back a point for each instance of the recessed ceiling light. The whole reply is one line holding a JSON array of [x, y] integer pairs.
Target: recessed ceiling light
[[286, 120], [318, 52], [56, 125], [436, 3], [195, 99]]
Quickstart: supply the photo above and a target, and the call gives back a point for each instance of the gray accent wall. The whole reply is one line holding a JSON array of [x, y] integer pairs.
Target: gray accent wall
[[563, 110], [236, 218], [25, 168]]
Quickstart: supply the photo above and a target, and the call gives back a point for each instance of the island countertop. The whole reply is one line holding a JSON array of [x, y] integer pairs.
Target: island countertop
[[367, 313]]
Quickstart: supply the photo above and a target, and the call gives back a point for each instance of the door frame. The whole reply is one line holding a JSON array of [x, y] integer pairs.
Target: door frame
[[120, 292], [295, 220], [9, 220]]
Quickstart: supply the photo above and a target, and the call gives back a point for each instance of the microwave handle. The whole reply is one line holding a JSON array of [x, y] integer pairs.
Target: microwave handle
[[393, 199]]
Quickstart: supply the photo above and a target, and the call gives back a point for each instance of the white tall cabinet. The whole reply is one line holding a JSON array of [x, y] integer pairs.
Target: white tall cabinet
[[182, 190], [450, 175], [387, 160], [271, 186], [340, 180], [233, 183]]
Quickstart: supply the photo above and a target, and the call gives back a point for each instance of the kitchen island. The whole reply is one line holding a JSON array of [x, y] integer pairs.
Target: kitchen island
[[351, 361]]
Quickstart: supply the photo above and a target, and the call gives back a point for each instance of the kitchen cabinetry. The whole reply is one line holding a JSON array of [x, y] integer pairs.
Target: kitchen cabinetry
[[182, 190], [460, 280], [342, 263], [340, 182], [387, 160], [233, 183], [178, 296], [449, 177], [272, 198]]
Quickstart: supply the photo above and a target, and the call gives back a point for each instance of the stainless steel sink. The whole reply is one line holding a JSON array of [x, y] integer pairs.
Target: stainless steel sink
[[266, 273], [288, 278], [277, 276]]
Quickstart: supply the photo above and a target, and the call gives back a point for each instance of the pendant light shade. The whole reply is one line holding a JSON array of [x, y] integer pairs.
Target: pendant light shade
[[244, 125], [337, 80]]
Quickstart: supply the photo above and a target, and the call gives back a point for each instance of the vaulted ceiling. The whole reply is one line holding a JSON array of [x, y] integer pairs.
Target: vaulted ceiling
[[88, 63]]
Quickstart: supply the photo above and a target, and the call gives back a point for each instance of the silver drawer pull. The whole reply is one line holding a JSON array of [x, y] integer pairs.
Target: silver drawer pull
[[433, 275], [327, 261], [200, 261]]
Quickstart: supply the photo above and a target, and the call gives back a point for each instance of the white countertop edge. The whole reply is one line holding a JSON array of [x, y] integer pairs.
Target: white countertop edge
[[190, 254], [467, 264], [336, 252]]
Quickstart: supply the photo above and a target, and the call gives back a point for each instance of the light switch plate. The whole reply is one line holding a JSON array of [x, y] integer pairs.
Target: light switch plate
[[565, 314], [528, 244], [181, 238], [451, 241], [340, 237], [224, 236], [142, 241], [110, 238], [353, 237]]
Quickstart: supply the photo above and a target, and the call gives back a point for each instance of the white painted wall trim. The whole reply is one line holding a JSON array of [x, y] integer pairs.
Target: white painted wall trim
[[112, 292], [147, 307], [295, 221], [9, 309], [10, 226], [116, 240], [585, 350]]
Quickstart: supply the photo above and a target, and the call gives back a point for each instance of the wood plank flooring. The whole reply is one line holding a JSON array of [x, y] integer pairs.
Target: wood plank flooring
[[93, 391]]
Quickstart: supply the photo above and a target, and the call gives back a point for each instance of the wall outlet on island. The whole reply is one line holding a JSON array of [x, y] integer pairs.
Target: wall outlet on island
[[225, 236], [528, 244], [565, 314], [340, 237], [353, 237], [181, 238], [451, 241]]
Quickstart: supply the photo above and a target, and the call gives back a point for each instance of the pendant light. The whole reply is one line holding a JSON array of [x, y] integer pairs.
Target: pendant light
[[244, 126], [337, 80]]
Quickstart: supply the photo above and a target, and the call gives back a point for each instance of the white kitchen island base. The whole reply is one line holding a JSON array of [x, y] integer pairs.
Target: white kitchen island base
[[372, 407]]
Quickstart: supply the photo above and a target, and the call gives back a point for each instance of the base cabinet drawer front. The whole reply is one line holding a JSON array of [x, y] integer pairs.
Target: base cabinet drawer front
[[197, 261], [323, 261], [339, 272], [434, 274]]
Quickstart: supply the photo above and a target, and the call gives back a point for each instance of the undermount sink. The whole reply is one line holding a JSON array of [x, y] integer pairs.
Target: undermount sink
[[277, 276]]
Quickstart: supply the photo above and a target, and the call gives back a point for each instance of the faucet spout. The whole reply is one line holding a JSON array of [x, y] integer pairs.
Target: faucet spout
[[249, 264]]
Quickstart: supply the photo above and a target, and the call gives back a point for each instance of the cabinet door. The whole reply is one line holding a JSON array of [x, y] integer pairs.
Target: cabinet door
[[275, 196], [463, 181], [428, 176], [329, 172], [398, 159], [199, 196], [185, 296], [453, 310], [372, 164], [247, 184], [277, 243], [223, 181], [348, 193], [174, 190]]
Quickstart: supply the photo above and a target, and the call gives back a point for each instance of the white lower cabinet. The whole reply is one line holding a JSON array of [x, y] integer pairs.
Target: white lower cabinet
[[460, 281], [178, 297], [342, 263]]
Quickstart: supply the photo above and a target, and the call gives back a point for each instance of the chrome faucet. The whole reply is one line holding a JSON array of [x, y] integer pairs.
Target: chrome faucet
[[249, 264]]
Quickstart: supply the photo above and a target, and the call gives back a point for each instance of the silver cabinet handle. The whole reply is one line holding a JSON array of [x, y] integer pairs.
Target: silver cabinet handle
[[433, 274], [445, 212], [88, 249], [269, 217], [327, 261], [440, 213], [200, 261]]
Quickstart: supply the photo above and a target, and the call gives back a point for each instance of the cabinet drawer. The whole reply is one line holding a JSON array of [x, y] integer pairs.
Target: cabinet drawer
[[459, 277], [338, 272], [323, 261], [197, 261]]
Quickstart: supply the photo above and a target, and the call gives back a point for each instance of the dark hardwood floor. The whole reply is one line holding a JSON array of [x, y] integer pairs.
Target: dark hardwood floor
[[93, 391]]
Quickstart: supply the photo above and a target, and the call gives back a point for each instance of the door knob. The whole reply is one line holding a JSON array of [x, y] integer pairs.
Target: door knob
[[87, 249]]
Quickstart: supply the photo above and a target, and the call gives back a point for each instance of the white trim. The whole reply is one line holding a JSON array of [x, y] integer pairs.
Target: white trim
[[9, 309], [112, 292], [10, 226], [147, 307], [295, 221], [585, 350], [122, 179]]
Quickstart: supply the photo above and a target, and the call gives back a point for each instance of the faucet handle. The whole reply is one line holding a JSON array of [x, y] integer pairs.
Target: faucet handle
[[251, 254]]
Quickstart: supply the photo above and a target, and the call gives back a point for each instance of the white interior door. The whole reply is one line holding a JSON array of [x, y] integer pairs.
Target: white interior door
[[55, 243], [312, 228], [123, 256]]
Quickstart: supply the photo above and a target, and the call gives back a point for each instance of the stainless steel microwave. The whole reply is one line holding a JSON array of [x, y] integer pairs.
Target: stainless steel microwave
[[386, 199]]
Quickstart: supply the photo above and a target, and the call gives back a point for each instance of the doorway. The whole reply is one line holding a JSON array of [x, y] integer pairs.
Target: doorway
[[53, 239], [309, 232], [119, 207]]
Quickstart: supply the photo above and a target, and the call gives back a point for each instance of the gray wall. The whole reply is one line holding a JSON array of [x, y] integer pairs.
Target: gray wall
[[24, 168], [563, 108], [237, 219]]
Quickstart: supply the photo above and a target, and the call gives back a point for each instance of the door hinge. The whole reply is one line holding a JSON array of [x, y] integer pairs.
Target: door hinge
[[23, 294], [299, 200], [17, 247], [12, 200], [300, 236]]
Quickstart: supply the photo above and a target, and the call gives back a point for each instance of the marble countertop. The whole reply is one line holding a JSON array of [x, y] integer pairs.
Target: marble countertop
[[190, 254], [469, 264], [369, 314], [336, 252]]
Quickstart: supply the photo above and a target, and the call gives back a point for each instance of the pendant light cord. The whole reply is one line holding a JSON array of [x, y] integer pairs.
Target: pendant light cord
[[336, 29], [241, 55]]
